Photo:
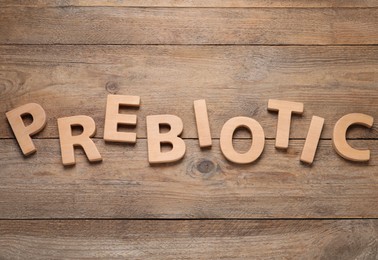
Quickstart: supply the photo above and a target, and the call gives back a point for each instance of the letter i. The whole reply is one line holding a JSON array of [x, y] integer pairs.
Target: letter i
[[312, 139]]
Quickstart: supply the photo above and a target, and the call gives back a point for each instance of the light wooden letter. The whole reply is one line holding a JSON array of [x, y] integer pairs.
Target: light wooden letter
[[113, 118], [227, 133], [285, 109], [68, 141], [312, 139], [155, 138], [23, 132], [202, 120], [339, 136]]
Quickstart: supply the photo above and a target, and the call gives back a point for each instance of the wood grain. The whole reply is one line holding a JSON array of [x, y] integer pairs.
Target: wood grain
[[202, 185], [215, 239], [193, 3], [331, 81], [112, 25], [68, 55]]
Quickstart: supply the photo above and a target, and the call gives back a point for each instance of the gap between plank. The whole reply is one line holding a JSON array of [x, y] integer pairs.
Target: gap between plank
[[185, 219], [191, 44], [188, 7], [192, 138]]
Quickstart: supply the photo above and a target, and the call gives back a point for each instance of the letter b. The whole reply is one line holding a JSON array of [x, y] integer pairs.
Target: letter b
[[155, 138]]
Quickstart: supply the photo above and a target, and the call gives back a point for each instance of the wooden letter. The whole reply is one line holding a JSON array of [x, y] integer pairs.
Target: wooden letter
[[312, 139], [257, 144], [202, 120], [68, 141], [155, 138], [285, 109], [339, 136], [23, 132], [113, 118]]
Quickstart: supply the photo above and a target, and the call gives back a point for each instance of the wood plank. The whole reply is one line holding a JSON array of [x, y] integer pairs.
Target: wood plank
[[331, 81], [112, 25], [202, 185], [182, 239], [194, 3]]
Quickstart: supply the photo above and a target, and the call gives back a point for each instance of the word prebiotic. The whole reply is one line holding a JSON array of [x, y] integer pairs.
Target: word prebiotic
[[155, 138]]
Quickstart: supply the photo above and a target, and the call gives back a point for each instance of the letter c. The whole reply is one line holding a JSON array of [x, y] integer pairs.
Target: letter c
[[339, 136]]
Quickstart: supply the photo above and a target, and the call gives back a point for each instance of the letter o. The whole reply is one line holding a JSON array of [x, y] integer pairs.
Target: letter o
[[258, 140]]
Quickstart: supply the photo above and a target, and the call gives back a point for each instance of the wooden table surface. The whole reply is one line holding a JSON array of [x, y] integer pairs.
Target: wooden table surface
[[69, 55]]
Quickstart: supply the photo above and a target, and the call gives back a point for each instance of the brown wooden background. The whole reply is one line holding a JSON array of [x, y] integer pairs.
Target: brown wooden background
[[68, 55]]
